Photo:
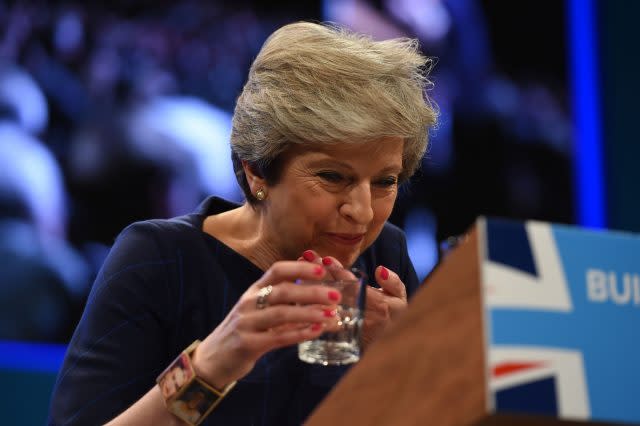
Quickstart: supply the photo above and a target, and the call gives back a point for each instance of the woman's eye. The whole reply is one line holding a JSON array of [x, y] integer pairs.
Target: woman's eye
[[388, 181], [331, 177]]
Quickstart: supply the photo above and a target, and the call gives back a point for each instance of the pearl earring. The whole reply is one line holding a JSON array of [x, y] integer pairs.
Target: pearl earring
[[261, 194]]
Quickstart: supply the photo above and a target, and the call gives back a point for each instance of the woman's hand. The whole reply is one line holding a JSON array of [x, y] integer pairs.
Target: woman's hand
[[292, 314], [383, 304]]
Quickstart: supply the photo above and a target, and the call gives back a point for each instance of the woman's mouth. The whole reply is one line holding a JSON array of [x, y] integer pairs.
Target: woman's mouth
[[346, 239]]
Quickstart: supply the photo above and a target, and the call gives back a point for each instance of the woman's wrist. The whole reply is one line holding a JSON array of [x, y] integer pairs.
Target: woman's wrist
[[207, 370], [188, 393]]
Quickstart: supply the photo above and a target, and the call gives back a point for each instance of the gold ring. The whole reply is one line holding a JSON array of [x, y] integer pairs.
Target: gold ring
[[261, 301]]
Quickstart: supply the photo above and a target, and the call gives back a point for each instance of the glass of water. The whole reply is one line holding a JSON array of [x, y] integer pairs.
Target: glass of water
[[340, 343]]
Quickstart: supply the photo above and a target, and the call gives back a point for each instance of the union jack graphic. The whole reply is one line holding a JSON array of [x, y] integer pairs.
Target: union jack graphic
[[522, 271]]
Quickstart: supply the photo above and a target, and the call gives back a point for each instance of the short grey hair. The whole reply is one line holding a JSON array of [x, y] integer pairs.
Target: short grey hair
[[320, 83]]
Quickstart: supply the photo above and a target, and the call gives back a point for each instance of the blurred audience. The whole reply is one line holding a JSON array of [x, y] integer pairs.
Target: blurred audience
[[43, 280], [98, 105]]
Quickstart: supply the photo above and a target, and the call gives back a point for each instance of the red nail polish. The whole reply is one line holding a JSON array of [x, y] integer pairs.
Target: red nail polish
[[384, 273], [329, 313], [315, 327], [318, 270], [326, 261], [334, 295], [308, 255]]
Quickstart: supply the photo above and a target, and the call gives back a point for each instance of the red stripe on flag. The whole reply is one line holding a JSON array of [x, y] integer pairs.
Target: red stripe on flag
[[513, 366]]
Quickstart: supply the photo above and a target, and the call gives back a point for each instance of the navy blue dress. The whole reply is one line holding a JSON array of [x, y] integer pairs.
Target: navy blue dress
[[166, 283]]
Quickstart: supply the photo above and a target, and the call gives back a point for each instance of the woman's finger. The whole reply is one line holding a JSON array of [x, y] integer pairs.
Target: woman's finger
[[390, 282], [289, 316], [377, 304], [382, 305], [269, 340], [290, 293], [290, 271], [335, 270], [331, 261], [311, 256]]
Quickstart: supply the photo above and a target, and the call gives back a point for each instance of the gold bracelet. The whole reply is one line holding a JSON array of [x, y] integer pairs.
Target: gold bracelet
[[185, 394]]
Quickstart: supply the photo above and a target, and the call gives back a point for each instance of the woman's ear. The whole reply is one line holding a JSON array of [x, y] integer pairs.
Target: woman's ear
[[254, 178]]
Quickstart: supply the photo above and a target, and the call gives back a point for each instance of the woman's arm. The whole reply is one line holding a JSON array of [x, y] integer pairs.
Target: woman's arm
[[247, 333], [148, 410], [123, 340]]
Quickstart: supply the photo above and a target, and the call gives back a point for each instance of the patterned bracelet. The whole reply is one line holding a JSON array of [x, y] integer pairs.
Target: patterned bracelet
[[185, 394]]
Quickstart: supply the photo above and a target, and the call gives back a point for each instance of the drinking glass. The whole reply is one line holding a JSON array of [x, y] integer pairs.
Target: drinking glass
[[340, 343]]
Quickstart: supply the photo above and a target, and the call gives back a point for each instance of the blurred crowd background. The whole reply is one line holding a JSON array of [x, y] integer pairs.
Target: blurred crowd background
[[113, 114]]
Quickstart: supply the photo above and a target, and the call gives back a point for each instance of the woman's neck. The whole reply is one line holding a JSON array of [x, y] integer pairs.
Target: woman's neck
[[243, 229]]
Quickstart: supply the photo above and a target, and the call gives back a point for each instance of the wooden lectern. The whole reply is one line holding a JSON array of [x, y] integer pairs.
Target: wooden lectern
[[428, 368]]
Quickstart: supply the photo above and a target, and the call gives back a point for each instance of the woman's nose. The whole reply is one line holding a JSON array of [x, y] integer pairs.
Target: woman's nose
[[358, 206]]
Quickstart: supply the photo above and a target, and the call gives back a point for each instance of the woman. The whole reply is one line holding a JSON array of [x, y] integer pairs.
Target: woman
[[327, 126]]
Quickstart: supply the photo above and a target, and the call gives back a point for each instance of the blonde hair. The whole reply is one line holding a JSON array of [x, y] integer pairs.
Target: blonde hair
[[320, 83]]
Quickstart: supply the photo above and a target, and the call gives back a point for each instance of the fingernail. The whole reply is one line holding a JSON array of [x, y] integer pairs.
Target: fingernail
[[318, 270], [326, 261], [329, 313], [384, 273], [334, 295], [308, 255], [317, 326]]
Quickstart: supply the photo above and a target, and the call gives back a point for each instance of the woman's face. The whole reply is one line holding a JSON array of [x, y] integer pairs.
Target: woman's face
[[333, 199]]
